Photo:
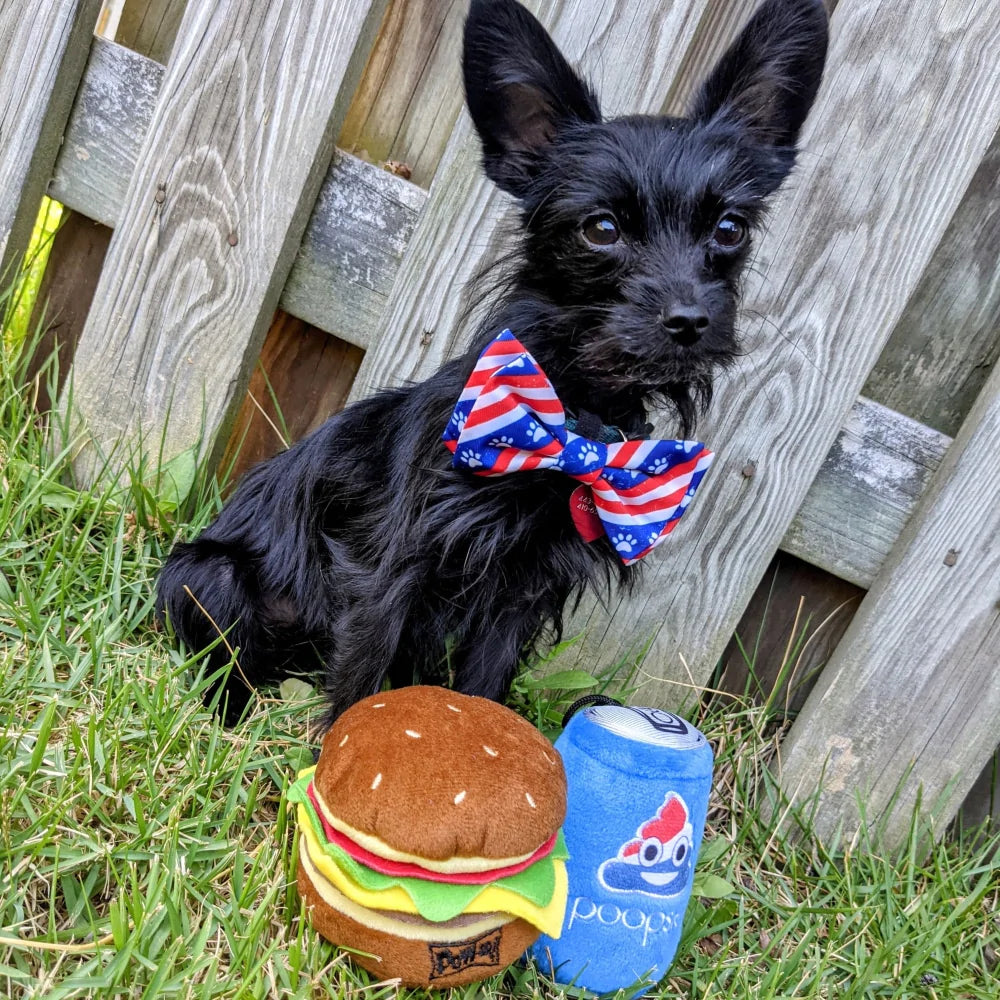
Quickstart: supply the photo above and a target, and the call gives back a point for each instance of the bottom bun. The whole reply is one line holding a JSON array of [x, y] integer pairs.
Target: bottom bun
[[416, 951]]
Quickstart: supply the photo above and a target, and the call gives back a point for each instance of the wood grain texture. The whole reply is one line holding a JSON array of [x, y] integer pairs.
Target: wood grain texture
[[948, 338], [151, 26], [358, 230], [73, 268], [307, 373], [787, 634], [873, 179], [105, 132], [72, 273], [909, 708], [352, 248], [411, 93], [43, 48], [215, 209], [459, 229], [719, 25], [867, 487]]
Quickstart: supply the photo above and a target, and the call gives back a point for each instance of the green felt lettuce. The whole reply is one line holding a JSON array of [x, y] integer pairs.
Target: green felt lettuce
[[436, 901]]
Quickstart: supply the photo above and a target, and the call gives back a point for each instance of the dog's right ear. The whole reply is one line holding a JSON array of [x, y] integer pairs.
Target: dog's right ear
[[520, 90]]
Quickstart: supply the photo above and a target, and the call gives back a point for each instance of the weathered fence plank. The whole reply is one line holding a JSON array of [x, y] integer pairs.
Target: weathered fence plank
[[909, 707], [874, 179], [76, 258], [350, 254], [411, 93], [350, 251], [105, 132], [948, 339], [864, 492], [215, 210], [151, 26], [308, 373], [43, 48]]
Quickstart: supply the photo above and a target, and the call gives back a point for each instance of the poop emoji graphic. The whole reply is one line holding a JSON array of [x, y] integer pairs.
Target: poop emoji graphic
[[658, 861]]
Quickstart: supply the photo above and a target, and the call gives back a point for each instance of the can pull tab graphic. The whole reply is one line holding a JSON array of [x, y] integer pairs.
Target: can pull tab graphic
[[646, 725]]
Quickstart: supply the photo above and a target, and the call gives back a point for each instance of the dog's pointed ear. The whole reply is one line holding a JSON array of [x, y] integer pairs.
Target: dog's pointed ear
[[768, 78], [520, 89]]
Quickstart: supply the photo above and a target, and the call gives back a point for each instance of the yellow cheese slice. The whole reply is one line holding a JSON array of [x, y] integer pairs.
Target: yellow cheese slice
[[390, 922], [493, 899]]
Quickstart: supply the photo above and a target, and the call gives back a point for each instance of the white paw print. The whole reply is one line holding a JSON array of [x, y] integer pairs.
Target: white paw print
[[459, 418], [518, 362], [623, 541], [503, 441], [471, 458], [535, 431], [660, 465], [588, 454]]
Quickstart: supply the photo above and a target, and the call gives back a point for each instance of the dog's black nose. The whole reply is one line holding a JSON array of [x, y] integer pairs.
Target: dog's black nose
[[685, 324]]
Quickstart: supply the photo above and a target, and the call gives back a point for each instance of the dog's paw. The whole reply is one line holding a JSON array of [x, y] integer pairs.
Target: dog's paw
[[473, 459], [624, 541]]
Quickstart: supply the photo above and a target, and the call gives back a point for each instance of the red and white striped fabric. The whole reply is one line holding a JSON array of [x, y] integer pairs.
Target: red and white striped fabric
[[509, 419]]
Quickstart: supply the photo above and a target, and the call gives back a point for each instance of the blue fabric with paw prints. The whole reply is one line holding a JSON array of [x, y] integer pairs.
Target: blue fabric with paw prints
[[508, 418]]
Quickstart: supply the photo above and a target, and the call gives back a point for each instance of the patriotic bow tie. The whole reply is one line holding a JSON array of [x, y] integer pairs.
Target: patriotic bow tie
[[509, 418]]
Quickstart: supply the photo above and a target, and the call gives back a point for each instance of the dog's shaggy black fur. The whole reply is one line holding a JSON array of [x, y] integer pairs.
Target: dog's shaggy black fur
[[361, 549]]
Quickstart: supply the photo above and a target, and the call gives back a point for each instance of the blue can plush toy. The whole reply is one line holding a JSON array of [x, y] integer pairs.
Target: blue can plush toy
[[639, 781]]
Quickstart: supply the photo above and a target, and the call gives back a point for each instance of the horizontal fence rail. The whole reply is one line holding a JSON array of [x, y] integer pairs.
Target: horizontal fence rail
[[43, 48]]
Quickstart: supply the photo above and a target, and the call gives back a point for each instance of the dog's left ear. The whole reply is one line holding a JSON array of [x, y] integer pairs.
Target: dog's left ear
[[520, 89], [768, 78]]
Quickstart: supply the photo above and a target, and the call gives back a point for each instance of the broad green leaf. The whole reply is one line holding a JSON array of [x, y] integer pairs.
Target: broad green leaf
[[712, 887], [295, 689]]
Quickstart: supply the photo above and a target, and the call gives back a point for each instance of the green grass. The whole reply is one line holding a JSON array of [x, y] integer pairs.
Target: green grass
[[146, 851]]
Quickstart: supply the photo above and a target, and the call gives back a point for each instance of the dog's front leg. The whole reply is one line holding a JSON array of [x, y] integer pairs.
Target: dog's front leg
[[487, 661], [366, 643]]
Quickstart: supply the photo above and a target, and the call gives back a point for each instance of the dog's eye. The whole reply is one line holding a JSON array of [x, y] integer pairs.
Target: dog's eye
[[601, 230], [730, 232]]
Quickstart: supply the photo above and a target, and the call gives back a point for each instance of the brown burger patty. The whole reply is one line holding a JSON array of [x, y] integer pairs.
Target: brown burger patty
[[435, 774]]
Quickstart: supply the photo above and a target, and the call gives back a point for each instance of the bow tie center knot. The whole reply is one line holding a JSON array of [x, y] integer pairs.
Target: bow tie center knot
[[583, 459]]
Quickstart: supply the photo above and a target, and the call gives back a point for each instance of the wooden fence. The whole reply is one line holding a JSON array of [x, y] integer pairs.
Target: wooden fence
[[206, 143]]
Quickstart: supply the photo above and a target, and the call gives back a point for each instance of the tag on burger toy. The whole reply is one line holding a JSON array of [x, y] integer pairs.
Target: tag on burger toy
[[429, 836], [639, 781]]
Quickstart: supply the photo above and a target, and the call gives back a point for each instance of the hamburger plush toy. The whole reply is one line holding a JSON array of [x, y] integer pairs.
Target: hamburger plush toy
[[430, 836]]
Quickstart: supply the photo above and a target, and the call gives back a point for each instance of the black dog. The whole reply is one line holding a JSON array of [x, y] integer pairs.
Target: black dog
[[361, 549]]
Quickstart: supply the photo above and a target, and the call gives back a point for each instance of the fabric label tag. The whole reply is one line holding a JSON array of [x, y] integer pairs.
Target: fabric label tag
[[584, 514]]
